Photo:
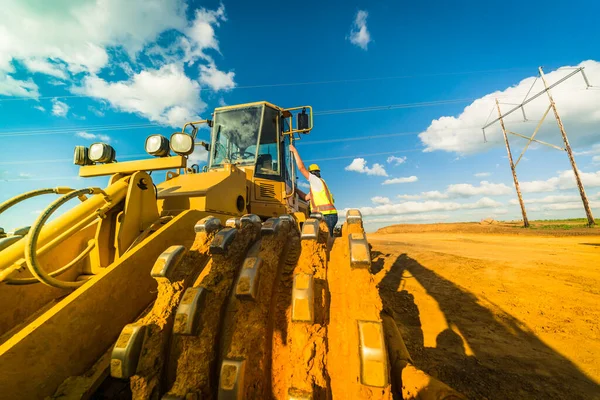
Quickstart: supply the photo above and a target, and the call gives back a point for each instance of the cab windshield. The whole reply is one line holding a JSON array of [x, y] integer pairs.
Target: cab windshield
[[236, 136]]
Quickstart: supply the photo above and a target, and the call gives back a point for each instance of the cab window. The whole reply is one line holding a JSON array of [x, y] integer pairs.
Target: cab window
[[267, 159]]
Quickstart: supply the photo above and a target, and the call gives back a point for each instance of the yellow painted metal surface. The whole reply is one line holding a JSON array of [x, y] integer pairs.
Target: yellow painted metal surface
[[140, 211], [68, 338], [129, 167], [65, 333], [256, 103], [20, 302], [57, 227], [215, 192]]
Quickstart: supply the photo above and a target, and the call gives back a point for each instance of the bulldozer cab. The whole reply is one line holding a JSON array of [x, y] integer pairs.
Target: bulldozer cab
[[248, 136], [255, 137]]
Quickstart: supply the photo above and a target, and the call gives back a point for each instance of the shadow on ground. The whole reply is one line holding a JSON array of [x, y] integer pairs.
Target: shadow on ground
[[508, 361]]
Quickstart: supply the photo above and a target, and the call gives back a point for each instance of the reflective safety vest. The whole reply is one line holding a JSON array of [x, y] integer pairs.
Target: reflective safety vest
[[322, 201]]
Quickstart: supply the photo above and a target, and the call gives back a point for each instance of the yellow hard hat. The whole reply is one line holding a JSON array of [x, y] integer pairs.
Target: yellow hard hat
[[314, 167]]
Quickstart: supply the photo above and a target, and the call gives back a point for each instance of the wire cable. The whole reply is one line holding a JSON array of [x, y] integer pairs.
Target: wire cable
[[297, 83]]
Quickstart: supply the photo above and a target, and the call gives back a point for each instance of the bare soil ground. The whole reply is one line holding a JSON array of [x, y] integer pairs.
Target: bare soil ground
[[494, 310]]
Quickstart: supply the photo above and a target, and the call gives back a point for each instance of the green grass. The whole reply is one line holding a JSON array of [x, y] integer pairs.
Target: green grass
[[556, 224]]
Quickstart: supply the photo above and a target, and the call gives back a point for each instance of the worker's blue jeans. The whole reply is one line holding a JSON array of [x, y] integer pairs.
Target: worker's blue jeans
[[331, 220]]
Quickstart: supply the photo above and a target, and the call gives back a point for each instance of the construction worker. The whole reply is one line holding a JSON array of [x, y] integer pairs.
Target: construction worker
[[320, 197]]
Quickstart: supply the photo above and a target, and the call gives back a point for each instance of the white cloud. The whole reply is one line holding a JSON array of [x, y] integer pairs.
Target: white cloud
[[396, 160], [414, 207], [360, 165], [577, 107], [97, 112], [595, 149], [45, 67], [75, 41], [548, 199], [42, 109], [79, 33], [303, 185], [564, 180], [485, 188], [201, 33], [380, 200], [25, 175], [199, 156], [575, 205], [166, 95], [482, 174], [93, 136], [359, 34], [14, 87], [59, 108], [596, 159], [431, 195], [394, 181], [215, 79], [409, 218]]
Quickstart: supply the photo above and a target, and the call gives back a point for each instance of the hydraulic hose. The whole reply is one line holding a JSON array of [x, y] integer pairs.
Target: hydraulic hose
[[38, 192], [29, 281], [31, 242]]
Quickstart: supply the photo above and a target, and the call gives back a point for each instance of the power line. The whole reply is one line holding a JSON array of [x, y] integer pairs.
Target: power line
[[364, 155], [62, 160], [393, 106], [298, 83], [298, 143], [96, 128], [75, 130]]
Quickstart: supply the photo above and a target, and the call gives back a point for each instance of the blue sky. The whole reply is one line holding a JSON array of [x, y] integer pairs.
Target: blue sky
[[118, 71]]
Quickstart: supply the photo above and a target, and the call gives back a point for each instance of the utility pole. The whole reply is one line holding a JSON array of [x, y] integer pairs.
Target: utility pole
[[512, 167], [586, 205]]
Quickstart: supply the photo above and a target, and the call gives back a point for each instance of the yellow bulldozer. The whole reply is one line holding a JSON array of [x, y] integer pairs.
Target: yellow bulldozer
[[207, 283]]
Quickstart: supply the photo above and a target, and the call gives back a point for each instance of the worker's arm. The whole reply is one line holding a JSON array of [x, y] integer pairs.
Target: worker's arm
[[303, 196], [299, 162]]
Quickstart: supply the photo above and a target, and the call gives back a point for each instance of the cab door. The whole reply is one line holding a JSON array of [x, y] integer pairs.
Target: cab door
[[269, 187]]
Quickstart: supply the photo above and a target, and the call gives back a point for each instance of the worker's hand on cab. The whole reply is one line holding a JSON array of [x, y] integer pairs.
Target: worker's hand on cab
[[292, 148]]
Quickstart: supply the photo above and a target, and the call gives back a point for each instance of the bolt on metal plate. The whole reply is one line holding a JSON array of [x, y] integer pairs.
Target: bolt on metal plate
[[126, 353], [360, 255], [208, 225], [248, 281], [189, 313], [373, 357], [231, 380], [166, 263], [310, 229], [271, 226], [222, 240], [303, 308]]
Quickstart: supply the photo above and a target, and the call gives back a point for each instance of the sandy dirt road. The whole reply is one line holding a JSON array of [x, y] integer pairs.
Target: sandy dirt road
[[496, 315]]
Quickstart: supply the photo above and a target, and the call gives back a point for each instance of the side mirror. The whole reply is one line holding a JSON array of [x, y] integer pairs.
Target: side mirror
[[302, 120]]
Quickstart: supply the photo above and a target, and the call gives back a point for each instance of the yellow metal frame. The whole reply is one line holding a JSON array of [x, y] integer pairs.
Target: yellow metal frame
[[129, 167], [255, 103], [194, 125], [287, 113]]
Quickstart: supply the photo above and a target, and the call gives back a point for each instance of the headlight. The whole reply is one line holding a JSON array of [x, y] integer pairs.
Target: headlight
[[80, 156], [101, 153], [157, 145], [182, 143]]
